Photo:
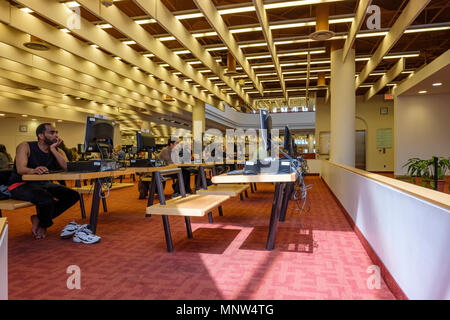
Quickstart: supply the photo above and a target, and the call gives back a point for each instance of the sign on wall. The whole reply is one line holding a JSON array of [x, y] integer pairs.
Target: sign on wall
[[384, 138]]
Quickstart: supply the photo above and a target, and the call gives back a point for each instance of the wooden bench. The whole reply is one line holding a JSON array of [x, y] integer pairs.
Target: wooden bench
[[88, 189], [190, 206], [10, 204], [232, 190]]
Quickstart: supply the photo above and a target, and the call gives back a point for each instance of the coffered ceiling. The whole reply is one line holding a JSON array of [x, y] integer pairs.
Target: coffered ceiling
[[155, 59]]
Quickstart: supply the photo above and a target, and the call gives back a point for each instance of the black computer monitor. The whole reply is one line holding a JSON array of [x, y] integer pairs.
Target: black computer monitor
[[287, 139], [145, 142], [99, 136], [289, 144], [80, 148], [266, 127]]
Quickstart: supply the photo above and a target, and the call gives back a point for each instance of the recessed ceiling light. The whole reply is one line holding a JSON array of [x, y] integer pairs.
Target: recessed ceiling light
[[24, 115], [423, 91], [33, 119], [2, 114], [59, 120], [437, 84]]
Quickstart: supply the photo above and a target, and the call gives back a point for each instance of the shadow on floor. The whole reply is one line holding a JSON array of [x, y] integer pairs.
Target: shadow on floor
[[288, 239], [207, 240]]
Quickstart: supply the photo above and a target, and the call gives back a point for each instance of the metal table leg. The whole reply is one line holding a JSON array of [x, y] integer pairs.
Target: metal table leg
[[275, 215]]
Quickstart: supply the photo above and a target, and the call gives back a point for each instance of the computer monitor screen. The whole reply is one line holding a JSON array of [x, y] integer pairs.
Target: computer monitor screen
[[289, 144], [99, 135], [145, 142], [266, 127], [287, 139]]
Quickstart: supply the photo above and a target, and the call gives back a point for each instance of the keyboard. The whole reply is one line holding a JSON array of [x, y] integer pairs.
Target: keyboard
[[55, 171], [235, 172]]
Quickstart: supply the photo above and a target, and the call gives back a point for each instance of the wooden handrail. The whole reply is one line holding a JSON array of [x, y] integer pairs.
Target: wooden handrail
[[438, 198]]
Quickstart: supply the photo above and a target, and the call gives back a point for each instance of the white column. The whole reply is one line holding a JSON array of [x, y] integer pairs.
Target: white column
[[198, 127], [310, 143], [342, 113]]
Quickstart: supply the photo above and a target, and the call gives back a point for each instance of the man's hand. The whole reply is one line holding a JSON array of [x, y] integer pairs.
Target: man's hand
[[39, 170], [56, 144]]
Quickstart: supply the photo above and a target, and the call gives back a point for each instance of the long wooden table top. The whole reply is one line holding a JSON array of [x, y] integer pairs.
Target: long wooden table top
[[75, 175], [153, 169], [262, 177]]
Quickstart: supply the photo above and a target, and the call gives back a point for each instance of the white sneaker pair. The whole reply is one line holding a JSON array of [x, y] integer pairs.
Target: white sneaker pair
[[80, 233]]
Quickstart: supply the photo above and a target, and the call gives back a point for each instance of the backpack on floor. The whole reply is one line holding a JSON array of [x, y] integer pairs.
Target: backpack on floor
[[4, 178]]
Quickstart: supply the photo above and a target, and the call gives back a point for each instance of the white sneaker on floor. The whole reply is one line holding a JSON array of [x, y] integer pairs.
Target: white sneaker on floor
[[70, 230], [85, 235]]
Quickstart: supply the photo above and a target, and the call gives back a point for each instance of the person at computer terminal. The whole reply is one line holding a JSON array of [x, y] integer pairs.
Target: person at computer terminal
[[166, 156], [40, 157]]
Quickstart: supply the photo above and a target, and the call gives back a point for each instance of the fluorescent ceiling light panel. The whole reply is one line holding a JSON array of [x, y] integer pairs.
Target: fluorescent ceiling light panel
[[104, 26], [145, 21], [27, 10], [430, 29]]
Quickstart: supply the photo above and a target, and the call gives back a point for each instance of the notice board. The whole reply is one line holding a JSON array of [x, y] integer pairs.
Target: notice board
[[384, 138]]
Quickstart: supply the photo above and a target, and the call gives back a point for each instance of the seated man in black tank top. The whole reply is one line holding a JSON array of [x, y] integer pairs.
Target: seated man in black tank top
[[38, 157]]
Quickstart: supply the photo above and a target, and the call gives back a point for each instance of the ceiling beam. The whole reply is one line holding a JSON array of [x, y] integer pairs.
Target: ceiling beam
[[58, 91], [387, 78], [157, 10], [59, 13], [356, 25], [408, 15], [119, 20], [264, 22], [34, 26], [216, 21], [53, 98]]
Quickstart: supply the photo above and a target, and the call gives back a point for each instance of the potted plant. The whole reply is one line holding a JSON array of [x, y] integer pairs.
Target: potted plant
[[426, 168]]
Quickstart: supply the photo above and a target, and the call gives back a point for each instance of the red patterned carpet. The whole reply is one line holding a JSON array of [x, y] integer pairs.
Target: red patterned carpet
[[316, 257]]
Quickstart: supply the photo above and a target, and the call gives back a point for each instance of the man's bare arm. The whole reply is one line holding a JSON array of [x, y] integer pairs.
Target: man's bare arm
[[60, 156], [22, 153]]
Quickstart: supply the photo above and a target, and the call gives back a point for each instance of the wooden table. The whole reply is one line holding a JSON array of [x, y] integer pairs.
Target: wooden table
[[283, 184], [97, 176]]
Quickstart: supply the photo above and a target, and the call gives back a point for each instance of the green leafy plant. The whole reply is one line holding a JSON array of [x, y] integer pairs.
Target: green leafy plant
[[426, 168]]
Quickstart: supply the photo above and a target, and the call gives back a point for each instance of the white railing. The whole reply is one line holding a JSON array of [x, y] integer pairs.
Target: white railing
[[407, 226], [231, 118]]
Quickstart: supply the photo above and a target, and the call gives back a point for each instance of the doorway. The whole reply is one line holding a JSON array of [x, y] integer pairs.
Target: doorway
[[360, 149]]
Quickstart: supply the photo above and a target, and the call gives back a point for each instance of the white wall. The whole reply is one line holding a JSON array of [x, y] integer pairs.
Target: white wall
[[368, 118], [422, 128], [10, 135], [314, 165], [408, 234]]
